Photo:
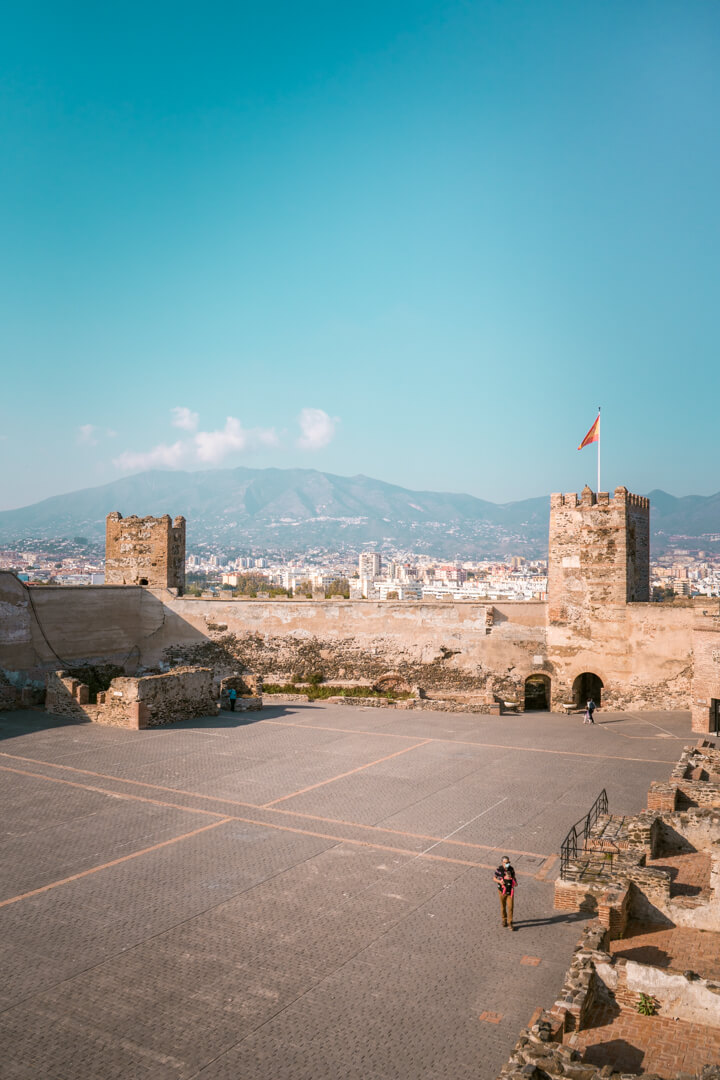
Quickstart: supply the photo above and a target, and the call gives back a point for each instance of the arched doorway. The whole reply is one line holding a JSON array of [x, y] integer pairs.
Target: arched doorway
[[587, 686], [537, 693]]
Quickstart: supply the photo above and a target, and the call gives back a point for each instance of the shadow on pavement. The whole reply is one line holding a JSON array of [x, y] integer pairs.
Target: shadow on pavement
[[570, 917]]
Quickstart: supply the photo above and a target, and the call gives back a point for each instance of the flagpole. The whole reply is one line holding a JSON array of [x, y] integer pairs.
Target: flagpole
[[599, 426]]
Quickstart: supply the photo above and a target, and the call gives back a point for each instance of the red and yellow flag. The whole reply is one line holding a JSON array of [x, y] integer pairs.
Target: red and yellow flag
[[593, 434]]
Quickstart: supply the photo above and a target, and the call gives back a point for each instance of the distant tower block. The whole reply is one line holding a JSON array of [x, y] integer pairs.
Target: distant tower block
[[599, 553], [145, 551]]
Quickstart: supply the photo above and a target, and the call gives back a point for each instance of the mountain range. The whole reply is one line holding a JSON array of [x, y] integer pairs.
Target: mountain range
[[295, 510]]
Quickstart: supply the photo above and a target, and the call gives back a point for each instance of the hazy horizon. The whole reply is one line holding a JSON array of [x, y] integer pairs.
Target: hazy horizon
[[379, 479]]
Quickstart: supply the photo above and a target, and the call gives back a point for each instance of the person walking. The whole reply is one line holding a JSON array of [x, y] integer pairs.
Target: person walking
[[232, 698], [506, 882], [590, 710]]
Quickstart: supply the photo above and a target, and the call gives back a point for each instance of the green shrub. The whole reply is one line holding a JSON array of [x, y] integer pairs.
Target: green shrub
[[647, 1005], [316, 692]]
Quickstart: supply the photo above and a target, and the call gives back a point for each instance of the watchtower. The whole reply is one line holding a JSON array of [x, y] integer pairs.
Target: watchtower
[[599, 553], [145, 551]]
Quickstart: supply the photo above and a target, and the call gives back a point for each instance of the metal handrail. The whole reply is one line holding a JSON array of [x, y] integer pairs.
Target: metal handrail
[[576, 840]]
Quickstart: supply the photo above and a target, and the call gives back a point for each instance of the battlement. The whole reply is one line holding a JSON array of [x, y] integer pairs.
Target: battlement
[[587, 497], [177, 522], [145, 551]]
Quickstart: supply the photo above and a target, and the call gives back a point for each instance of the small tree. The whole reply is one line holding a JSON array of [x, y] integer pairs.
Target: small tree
[[341, 587]]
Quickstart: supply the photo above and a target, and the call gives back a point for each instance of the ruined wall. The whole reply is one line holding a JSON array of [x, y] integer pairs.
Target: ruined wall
[[706, 666], [182, 694], [66, 696], [475, 648], [148, 701], [145, 551]]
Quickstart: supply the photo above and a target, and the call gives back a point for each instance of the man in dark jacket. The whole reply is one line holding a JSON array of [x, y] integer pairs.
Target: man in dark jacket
[[506, 882]]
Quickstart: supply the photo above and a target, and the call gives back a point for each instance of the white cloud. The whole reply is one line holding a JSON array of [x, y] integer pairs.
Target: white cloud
[[206, 447], [86, 435], [212, 446], [184, 418], [162, 456], [318, 429]]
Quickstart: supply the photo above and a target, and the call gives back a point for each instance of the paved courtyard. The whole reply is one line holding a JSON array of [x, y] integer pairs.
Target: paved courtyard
[[299, 894]]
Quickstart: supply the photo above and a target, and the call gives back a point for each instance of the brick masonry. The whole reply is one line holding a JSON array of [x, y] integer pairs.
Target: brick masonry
[[594, 1026]]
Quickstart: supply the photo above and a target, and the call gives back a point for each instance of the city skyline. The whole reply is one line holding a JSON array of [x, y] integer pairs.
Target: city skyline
[[421, 242]]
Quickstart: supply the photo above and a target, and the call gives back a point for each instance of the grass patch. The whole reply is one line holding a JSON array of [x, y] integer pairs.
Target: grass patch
[[316, 692]]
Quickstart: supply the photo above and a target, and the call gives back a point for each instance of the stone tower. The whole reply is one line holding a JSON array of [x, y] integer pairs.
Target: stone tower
[[599, 554], [145, 551]]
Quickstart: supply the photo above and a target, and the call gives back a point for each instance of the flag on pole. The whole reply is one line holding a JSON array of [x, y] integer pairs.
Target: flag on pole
[[593, 434]]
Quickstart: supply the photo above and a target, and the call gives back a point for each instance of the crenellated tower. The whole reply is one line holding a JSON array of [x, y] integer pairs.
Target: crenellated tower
[[145, 551], [599, 554]]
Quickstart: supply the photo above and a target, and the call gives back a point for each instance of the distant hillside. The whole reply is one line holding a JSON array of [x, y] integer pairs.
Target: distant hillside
[[294, 510]]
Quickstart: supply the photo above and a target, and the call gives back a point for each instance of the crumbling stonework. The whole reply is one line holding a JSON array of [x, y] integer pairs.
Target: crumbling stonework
[[249, 689], [603, 983], [147, 701], [433, 645], [145, 551]]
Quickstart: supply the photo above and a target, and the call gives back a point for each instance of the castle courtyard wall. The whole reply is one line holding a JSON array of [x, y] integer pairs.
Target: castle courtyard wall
[[706, 665], [642, 652]]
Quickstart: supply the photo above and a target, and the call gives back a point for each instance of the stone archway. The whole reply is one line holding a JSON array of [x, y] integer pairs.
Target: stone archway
[[587, 685], [537, 693]]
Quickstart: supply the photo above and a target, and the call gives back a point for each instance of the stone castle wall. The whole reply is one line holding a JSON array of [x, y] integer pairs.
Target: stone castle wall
[[475, 651], [597, 620], [145, 551], [706, 666]]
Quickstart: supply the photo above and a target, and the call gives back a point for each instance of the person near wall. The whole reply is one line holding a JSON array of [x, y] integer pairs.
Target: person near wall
[[506, 882], [232, 698], [589, 711]]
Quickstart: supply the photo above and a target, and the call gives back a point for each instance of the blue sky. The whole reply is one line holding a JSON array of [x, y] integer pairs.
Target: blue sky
[[417, 240]]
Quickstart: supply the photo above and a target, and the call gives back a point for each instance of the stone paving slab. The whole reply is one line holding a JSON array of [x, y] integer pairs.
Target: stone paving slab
[[59, 849], [182, 933]]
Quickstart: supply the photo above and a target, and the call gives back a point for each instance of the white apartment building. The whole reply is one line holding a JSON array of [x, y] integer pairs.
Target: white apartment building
[[405, 590], [369, 564]]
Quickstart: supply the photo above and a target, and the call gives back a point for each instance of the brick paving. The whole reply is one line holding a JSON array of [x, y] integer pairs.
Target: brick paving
[[689, 873], [299, 895], [678, 948], [628, 1041]]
